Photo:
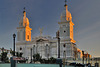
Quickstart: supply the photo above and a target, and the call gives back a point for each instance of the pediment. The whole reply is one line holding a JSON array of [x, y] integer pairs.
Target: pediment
[[40, 39]]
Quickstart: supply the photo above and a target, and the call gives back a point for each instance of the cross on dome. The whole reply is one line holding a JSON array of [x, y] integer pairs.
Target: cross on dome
[[66, 15], [41, 31], [65, 3], [24, 10]]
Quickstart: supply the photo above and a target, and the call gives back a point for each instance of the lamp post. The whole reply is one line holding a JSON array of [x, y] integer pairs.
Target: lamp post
[[64, 55], [14, 35], [31, 55], [88, 58], [58, 47], [57, 36], [60, 60], [83, 56]]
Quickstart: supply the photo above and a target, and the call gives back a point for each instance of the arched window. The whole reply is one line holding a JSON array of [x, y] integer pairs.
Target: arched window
[[34, 49], [47, 50], [64, 45], [20, 48], [27, 36]]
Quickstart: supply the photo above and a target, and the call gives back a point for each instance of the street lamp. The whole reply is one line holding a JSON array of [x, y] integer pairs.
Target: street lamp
[[14, 62], [14, 35], [88, 58], [64, 55], [57, 36], [83, 56], [31, 55]]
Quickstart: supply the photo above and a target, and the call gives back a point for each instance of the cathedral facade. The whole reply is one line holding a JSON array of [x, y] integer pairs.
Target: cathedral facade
[[47, 46]]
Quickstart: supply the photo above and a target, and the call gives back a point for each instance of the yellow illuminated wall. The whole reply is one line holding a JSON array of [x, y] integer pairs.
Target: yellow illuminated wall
[[27, 28], [71, 32], [68, 14], [69, 18], [28, 34], [24, 33]]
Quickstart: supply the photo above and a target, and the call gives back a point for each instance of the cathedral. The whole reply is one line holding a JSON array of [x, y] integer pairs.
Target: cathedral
[[47, 46]]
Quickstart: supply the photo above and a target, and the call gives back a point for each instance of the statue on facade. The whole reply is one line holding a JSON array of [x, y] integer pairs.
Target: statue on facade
[[41, 31]]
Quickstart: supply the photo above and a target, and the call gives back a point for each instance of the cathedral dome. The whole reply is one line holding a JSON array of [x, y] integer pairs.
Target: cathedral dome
[[24, 21], [65, 15], [21, 22]]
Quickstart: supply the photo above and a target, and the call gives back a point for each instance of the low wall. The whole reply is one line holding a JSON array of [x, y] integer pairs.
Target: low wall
[[4, 65], [33, 65], [37, 65]]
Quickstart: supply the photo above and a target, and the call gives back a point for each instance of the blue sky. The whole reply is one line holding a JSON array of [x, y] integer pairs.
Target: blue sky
[[46, 14]]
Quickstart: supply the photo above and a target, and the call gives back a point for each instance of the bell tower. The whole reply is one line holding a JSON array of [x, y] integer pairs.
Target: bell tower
[[24, 31], [66, 25]]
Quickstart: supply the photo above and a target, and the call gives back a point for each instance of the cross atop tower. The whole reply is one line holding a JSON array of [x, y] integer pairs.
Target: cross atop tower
[[24, 10], [41, 31], [65, 3]]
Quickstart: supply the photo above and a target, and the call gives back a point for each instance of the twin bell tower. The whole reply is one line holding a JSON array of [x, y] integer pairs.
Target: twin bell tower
[[65, 27], [24, 31]]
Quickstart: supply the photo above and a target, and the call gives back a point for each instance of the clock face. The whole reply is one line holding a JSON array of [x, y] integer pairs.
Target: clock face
[[64, 31]]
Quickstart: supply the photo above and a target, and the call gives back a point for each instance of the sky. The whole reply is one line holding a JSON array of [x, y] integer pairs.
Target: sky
[[46, 14]]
